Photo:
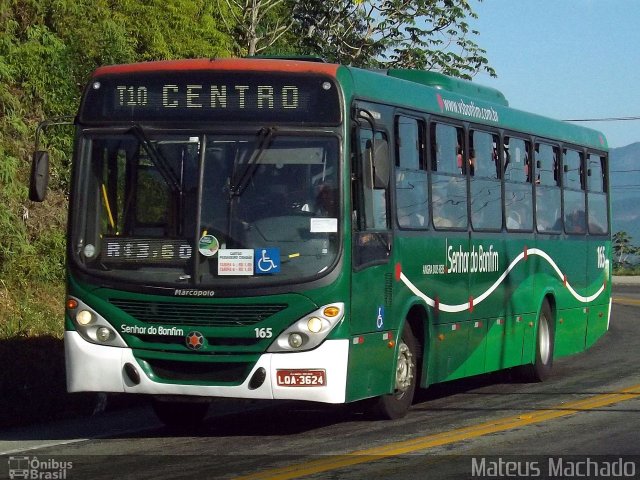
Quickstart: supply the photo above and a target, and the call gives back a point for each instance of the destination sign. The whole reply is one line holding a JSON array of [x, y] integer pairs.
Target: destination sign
[[199, 96]]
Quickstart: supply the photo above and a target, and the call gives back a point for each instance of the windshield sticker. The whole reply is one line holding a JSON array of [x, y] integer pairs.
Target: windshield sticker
[[324, 225], [208, 245], [267, 261], [235, 261]]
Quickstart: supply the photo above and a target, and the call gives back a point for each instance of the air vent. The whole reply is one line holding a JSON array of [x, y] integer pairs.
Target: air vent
[[198, 314]]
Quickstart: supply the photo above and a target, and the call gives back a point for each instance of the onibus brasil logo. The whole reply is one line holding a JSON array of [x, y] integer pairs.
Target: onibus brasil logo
[[34, 468]]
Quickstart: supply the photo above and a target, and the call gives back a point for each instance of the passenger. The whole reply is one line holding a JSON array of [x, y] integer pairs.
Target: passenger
[[459, 158], [472, 162], [326, 201], [575, 222]]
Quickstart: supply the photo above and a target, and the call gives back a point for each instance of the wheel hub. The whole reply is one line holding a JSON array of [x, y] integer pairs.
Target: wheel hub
[[545, 340], [405, 368]]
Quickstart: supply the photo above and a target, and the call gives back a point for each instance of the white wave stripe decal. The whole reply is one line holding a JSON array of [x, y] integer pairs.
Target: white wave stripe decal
[[473, 302]]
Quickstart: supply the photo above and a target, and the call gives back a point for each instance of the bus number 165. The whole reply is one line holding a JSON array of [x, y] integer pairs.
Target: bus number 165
[[602, 258]]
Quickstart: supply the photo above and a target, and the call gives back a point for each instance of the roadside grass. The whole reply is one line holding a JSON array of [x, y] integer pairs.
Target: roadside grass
[[31, 312], [627, 271]]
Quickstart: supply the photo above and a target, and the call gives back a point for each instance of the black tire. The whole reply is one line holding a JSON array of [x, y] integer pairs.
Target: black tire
[[541, 368], [396, 405], [180, 414]]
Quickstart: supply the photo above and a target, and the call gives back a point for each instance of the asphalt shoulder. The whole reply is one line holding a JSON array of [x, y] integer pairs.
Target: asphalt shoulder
[[626, 280]]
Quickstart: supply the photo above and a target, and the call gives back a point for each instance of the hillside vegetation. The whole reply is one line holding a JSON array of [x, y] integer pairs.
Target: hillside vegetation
[[48, 48]]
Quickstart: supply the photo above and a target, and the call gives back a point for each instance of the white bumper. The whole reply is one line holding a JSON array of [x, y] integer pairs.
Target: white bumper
[[97, 368]]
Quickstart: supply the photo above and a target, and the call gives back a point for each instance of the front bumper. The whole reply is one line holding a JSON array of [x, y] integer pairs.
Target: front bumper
[[97, 368]]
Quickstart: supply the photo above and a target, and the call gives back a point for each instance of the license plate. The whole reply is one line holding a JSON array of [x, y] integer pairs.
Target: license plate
[[301, 378]]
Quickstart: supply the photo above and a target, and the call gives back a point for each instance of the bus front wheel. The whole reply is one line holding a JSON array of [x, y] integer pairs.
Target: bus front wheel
[[541, 368], [396, 404]]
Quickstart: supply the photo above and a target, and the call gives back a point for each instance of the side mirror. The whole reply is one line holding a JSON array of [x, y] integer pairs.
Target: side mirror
[[39, 179]]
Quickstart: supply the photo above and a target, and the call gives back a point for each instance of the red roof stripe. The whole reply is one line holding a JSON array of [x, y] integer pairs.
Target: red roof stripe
[[237, 64]]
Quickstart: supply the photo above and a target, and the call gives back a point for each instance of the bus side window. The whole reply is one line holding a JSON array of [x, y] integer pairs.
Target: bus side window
[[448, 181], [548, 204], [546, 157], [411, 176], [486, 192], [597, 194], [518, 198], [447, 149], [573, 191]]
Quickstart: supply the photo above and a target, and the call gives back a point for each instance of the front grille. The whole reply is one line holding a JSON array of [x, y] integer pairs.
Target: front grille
[[199, 371], [212, 341], [197, 314]]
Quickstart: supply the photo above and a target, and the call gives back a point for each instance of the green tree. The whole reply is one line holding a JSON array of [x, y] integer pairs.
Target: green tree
[[422, 34], [622, 248], [256, 25]]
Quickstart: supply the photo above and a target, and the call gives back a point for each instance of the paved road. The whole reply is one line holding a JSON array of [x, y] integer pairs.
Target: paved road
[[589, 407]]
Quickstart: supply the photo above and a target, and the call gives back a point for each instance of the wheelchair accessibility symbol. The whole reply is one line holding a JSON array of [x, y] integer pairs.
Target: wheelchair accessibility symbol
[[267, 260]]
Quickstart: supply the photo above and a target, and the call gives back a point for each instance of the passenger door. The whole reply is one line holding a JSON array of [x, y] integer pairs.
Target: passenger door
[[371, 360]]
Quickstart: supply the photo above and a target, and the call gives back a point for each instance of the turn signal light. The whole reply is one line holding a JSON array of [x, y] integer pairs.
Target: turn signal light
[[331, 312], [71, 304]]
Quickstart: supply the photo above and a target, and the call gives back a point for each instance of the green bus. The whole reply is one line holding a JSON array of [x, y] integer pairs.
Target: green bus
[[296, 230]]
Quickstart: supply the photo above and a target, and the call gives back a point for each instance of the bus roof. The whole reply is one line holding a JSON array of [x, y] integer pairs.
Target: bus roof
[[451, 84], [441, 95], [431, 92]]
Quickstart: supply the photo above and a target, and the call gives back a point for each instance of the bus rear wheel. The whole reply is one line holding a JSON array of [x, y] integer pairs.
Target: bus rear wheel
[[180, 414], [396, 404], [541, 368]]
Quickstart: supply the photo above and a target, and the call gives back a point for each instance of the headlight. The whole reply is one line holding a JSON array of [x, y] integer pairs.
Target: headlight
[[309, 331], [103, 334], [314, 324], [91, 326], [84, 317], [295, 340]]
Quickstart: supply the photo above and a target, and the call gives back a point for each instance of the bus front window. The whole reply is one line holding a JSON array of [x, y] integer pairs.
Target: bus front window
[[207, 210]]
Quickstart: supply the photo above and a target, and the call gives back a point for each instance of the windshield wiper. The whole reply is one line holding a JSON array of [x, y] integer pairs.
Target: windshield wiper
[[262, 142], [157, 158]]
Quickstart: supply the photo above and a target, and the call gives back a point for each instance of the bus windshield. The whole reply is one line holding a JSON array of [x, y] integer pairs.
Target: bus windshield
[[206, 210]]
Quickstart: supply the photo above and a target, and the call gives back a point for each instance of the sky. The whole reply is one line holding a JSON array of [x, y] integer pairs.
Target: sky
[[566, 59]]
